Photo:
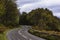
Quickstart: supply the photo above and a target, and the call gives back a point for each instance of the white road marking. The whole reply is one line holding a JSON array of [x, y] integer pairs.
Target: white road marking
[[22, 35]]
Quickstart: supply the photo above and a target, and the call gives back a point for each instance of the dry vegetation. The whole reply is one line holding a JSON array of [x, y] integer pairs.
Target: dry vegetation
[[48, 32]]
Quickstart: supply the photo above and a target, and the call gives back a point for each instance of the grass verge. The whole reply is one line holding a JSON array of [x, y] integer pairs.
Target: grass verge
[[3, 35], [44, 35]]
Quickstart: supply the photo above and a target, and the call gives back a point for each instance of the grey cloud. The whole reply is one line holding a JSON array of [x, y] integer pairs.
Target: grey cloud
[[55, 8], [22, 2]]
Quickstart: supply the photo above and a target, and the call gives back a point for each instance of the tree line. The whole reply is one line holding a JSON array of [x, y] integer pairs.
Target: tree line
[[39, 18], [9, 14]]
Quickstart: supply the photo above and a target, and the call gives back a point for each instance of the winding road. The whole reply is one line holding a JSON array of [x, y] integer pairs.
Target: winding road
[[21, 34]]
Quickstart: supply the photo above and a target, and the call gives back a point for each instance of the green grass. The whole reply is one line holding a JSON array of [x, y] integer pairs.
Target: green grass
[[3, 35]]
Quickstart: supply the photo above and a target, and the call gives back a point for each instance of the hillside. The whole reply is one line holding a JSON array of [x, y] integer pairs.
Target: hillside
[[42, 18], [45, 24]]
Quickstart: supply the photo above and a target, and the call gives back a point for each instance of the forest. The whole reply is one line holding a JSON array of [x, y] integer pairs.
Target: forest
[[41, 18]]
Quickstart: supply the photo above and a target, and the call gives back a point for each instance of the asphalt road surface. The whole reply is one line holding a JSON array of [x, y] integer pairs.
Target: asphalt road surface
[[22, 34]]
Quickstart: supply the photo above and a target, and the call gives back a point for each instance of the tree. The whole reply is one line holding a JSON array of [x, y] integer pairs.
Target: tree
[[2, 9], [10, 13], [23, 20], [44, 19]]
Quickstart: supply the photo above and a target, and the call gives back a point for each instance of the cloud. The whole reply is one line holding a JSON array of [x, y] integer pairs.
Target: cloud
[[50, 2], [57, 14], [23, 2], [28, 5]]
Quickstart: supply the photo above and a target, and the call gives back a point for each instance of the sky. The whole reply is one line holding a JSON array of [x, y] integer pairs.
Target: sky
[[28, 5]]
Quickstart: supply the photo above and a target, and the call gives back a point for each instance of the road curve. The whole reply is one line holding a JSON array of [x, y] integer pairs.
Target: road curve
[[21, 34]]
